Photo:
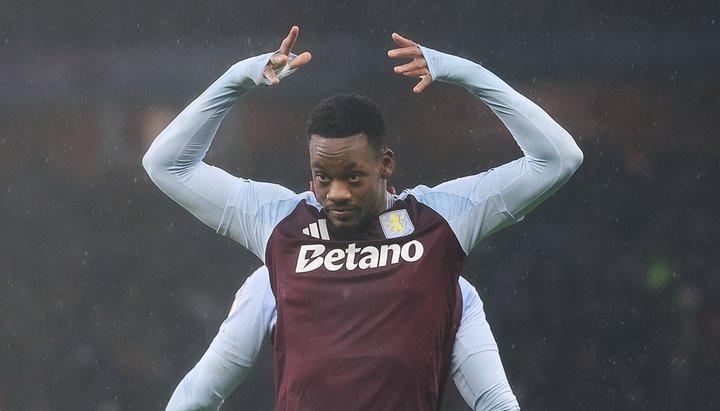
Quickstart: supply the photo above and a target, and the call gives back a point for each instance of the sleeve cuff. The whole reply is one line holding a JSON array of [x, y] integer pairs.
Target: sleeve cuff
[[253, 68], [432, 58], [448, 68]]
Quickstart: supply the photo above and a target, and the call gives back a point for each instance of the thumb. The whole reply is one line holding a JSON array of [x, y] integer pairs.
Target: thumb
[[278, 60], [300, 60]]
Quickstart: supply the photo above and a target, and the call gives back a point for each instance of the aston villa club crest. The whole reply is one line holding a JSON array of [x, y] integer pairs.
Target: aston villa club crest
[[396, 223]]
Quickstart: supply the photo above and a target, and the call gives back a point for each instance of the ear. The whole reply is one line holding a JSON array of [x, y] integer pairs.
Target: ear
[[312, 187], [387, 163]]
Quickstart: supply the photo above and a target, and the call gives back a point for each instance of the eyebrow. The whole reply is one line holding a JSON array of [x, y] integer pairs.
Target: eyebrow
[[351, 165]]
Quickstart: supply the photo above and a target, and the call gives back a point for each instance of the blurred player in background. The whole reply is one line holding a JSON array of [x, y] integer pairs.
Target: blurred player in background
[[476, 367], [365, 283]]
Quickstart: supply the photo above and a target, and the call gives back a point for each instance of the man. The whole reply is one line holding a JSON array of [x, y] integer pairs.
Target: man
[[476, 367], [365, 282]]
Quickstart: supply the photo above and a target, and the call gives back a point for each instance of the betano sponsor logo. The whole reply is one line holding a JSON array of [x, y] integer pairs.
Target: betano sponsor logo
[[314, 256]]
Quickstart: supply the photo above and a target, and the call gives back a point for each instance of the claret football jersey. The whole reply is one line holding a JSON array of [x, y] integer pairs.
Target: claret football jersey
[[367, 323]]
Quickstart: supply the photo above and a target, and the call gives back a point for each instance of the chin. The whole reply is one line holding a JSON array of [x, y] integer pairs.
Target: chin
[[343, 226]]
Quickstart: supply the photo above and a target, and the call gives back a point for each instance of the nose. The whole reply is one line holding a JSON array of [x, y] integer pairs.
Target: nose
[[338, 193]]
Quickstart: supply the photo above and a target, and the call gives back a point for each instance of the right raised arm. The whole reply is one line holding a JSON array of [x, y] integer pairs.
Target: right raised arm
[[174, 160]]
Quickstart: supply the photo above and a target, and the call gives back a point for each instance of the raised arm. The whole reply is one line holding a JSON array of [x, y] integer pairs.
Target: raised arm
[[174, 160], [491, 200]]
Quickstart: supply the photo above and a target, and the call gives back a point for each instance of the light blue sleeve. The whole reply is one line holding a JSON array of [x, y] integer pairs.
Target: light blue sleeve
[[253, 210], [207, 385], [477, 369], [249, 322], [233, 351], [239, 208], [474, 334], [472, 206], [476, 206]]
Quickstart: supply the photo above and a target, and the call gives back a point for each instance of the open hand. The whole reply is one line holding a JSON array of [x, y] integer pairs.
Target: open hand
[[417, 67], [281, 58]]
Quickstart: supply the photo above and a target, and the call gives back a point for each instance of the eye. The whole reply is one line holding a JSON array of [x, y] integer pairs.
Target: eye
[[322, 178], [354, 177]]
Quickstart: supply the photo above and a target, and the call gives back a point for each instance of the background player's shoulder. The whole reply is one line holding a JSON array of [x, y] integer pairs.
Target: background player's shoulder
[[258, 280]]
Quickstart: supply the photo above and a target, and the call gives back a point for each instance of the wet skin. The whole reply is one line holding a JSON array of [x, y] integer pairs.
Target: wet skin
[[349, 179]]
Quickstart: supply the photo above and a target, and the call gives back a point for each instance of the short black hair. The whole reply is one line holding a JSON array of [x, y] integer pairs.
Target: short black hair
[[344, 115]]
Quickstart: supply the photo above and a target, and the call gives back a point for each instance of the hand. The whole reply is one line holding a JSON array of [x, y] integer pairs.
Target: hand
[[281, 58], [416, 68]]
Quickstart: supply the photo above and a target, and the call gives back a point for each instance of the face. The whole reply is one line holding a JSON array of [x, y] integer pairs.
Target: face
[[349, 180]]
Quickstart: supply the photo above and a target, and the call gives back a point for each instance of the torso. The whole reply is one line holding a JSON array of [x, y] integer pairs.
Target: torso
[[368, 331]]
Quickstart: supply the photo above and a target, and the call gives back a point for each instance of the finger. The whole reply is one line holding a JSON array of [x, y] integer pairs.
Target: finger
[[289, 41], [422, 85], [300, 60], [270, 75], [278, 60], [412, 51], [417, 73], [411, 66], [402, 41]]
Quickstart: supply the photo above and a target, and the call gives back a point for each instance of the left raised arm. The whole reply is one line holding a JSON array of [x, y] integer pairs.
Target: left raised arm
[[551, 155]]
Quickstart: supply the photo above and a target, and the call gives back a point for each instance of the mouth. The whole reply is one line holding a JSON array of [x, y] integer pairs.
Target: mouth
[[342, 213]]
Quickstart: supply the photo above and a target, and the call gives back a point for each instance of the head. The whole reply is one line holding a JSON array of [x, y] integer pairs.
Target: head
[[349, 161]]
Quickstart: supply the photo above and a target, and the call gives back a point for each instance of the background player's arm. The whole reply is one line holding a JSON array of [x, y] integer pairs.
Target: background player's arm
[[207, 385], [476, 366], [478, 205], [227, 361], [174, 160]]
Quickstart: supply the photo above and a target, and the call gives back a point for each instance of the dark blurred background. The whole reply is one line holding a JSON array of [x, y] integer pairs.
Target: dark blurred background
[[607, 297]]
